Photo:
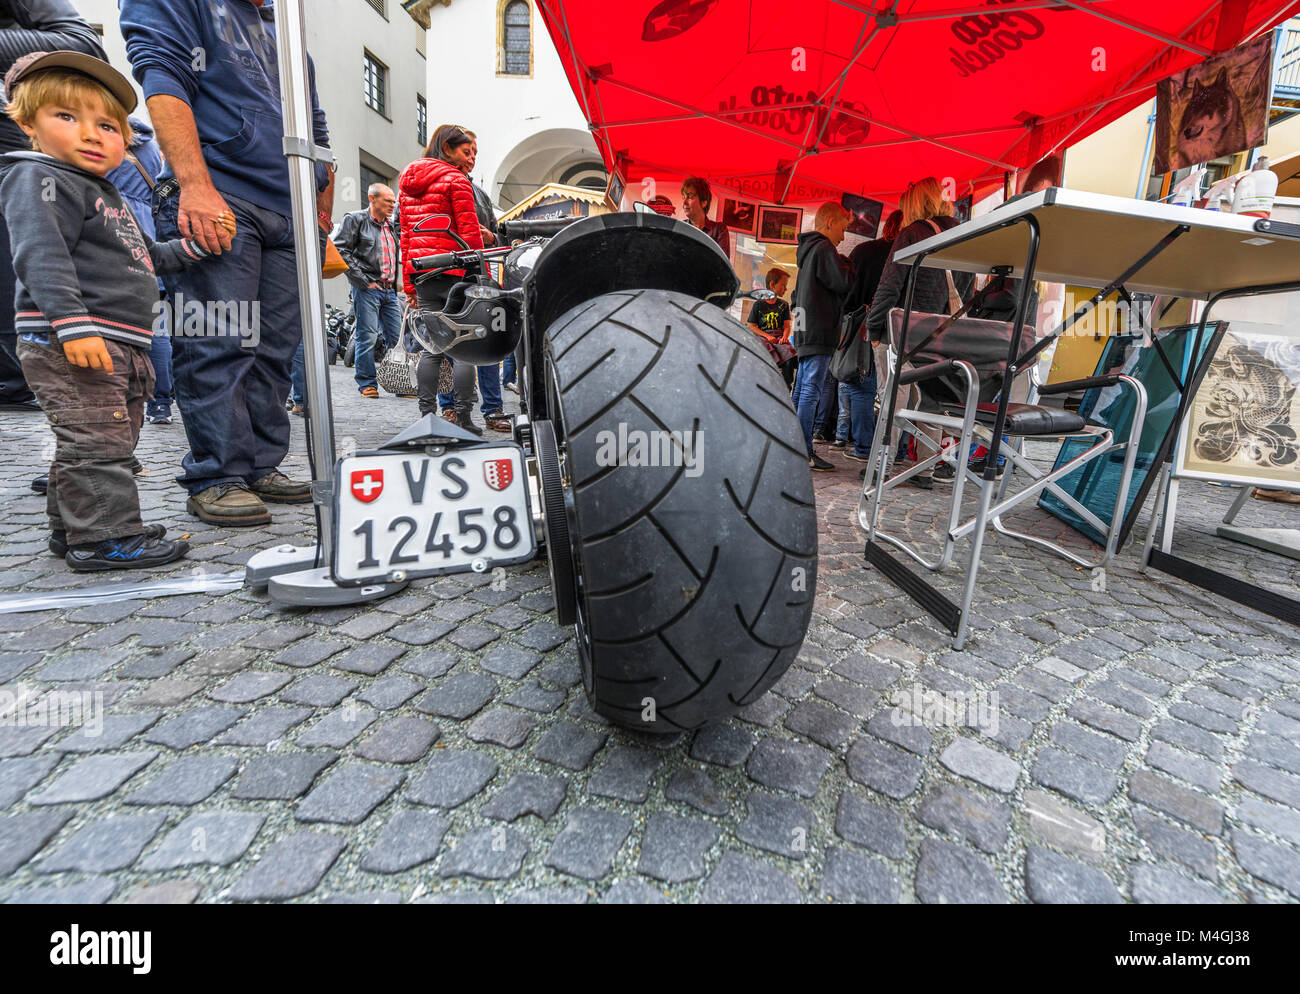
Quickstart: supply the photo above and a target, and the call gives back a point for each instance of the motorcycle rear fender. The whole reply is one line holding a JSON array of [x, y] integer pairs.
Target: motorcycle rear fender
[[625, 251]]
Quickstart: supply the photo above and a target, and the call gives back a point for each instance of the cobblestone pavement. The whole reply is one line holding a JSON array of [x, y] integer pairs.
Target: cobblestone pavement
[[437, 746]]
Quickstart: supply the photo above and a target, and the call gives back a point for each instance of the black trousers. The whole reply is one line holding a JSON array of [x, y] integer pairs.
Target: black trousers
[[13, 385], [432, 295]]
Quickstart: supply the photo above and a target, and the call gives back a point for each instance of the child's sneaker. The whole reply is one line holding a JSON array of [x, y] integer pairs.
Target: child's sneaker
[[158, 414], [59, 540], [135, 552]]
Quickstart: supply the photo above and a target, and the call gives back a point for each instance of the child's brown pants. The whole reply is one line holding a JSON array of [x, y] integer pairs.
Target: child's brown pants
[[96, 418]]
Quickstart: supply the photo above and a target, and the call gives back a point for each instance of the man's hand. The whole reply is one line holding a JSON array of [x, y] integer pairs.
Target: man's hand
[[89, 353], [413, 301], [488, 237], [198, 214], [373, 286], [200, 203]]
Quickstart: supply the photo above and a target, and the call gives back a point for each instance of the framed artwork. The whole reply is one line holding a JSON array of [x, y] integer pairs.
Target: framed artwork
[[1096, 484], [614, 192], [1045, 172], [1215, 108], [740, 215], [1243, 425], [866, 214], [962, 208], [779, 225]]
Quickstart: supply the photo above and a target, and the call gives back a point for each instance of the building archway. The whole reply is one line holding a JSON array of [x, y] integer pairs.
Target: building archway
[[557, 155]]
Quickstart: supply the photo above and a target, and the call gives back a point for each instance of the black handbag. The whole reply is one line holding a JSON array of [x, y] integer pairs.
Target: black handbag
[[852, 350]]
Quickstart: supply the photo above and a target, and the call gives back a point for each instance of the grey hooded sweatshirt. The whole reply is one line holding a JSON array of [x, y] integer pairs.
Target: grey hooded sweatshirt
[[84, 266]]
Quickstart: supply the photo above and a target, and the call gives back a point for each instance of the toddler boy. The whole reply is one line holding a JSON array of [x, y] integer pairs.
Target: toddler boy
[[85, 301]]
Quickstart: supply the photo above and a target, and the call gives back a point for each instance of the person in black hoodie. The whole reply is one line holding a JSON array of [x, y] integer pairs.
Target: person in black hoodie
[[825, 279], [28, 26], [868, 261], [925, 213]]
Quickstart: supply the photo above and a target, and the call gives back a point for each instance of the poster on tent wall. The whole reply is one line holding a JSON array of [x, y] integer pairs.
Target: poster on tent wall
[[779, 225], [1048, 171], [866, 214], [962, 208], [1244, 423], [740, 215], [1217, 108]]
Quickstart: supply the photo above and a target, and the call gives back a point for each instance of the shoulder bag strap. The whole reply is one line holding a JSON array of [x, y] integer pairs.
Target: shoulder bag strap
[[954, 301], [954, 298], [143, 171]]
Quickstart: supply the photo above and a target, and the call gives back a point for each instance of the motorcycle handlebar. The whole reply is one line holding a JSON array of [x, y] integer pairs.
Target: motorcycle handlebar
[[539, 228], [444, 261]]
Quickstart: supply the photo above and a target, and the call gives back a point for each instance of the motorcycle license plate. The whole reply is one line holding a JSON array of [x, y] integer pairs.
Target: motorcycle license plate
[[421, 515]]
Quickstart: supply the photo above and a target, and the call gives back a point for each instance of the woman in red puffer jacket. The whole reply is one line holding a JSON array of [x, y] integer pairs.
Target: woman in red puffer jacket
[[428, 187]]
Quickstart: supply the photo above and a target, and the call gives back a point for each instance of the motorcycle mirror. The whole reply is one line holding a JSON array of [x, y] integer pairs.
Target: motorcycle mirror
[[759, 295], [435, 222]]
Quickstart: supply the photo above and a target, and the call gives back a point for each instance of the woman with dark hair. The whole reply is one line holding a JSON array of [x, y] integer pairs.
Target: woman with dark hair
[[697, 198], [438, 185]]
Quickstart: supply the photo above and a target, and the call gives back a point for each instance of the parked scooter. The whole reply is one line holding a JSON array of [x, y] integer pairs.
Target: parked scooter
[[666, 469], [336, 331]]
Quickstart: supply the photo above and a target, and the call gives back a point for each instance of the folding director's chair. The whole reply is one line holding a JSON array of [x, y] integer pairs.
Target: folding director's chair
[[950, 399]]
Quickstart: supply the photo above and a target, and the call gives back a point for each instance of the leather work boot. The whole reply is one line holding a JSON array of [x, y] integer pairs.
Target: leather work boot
[[229, 504], [276, 488]]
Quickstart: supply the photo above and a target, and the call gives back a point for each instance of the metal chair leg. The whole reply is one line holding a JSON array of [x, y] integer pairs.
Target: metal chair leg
[[977, 548]]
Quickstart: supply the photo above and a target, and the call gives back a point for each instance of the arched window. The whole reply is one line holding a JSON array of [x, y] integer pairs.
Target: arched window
[[516, 39]]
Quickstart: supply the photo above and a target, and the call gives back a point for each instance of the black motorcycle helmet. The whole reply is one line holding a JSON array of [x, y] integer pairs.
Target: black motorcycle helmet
[[478, 324]]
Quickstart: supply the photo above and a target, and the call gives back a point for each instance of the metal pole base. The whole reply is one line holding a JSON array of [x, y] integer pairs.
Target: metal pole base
[[315, 588], [273, 562]]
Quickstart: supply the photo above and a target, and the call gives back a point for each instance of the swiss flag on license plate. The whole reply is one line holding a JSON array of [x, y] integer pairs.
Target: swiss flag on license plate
[[498, 473], [367, 484]]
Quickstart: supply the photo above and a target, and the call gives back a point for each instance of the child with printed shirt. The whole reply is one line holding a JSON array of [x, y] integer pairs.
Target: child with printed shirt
[[86, 302]]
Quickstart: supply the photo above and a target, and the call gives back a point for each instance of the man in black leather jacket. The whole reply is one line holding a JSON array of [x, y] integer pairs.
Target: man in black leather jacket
[[369, 242], [28, 26]]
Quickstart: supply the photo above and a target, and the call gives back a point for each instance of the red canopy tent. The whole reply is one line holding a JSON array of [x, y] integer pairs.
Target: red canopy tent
[[797, 102]]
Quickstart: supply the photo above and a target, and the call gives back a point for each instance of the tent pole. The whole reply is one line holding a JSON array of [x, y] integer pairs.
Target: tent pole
[[303, 576], [1140, 29], [295, 96]]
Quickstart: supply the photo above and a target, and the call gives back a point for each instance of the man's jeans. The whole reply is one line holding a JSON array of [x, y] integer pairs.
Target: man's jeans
[[232, 379], [376, 309], [298, 379], [489, 386], [160, 354], [810, 386], [509, 370], [858, 412]]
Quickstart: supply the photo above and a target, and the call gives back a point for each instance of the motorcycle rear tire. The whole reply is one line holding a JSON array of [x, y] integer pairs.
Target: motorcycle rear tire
[[695, 580]]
